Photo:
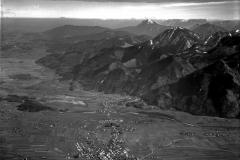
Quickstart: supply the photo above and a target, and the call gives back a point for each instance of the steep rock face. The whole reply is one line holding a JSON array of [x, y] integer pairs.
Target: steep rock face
[[177, 39], [140, 81], [201, 55], [170, 42], [213, 90], [215, 38]]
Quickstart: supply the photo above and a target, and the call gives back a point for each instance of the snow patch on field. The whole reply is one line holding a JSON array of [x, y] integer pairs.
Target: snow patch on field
[[67, 99]]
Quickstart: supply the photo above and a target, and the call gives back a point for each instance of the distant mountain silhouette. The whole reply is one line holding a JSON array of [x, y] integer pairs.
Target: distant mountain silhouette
[[183, 23], [146, 27], [72, 45], [207, 29], [67, 31], [228, 25], [62, 38]]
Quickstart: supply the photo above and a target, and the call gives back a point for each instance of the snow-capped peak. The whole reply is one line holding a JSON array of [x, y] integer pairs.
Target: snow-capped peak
[[147, 22], [177, 28], [178, 37], [151, 42]]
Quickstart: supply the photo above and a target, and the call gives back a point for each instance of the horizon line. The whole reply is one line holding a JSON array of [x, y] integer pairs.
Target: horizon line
[[207, 19]]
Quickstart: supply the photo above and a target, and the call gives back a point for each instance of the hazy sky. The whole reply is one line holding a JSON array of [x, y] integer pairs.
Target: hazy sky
[[123, 9]]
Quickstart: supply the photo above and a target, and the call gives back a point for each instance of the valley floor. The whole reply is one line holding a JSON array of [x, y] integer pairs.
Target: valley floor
[[91, 125]]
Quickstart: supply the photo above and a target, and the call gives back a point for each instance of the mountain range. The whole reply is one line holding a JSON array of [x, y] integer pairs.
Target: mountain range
[[176, 69], [205, 30]]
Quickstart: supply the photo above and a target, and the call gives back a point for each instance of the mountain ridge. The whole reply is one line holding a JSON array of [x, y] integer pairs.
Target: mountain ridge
[[175, 67], [207, 29], [146, 27]]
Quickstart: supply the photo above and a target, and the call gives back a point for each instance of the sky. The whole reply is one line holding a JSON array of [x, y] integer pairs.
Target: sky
[[122, 9]]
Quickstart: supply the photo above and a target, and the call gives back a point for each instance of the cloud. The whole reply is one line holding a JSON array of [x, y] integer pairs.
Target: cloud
[[182, 4], [135, 1], [8, 12], [151, 1], [126, 9]]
